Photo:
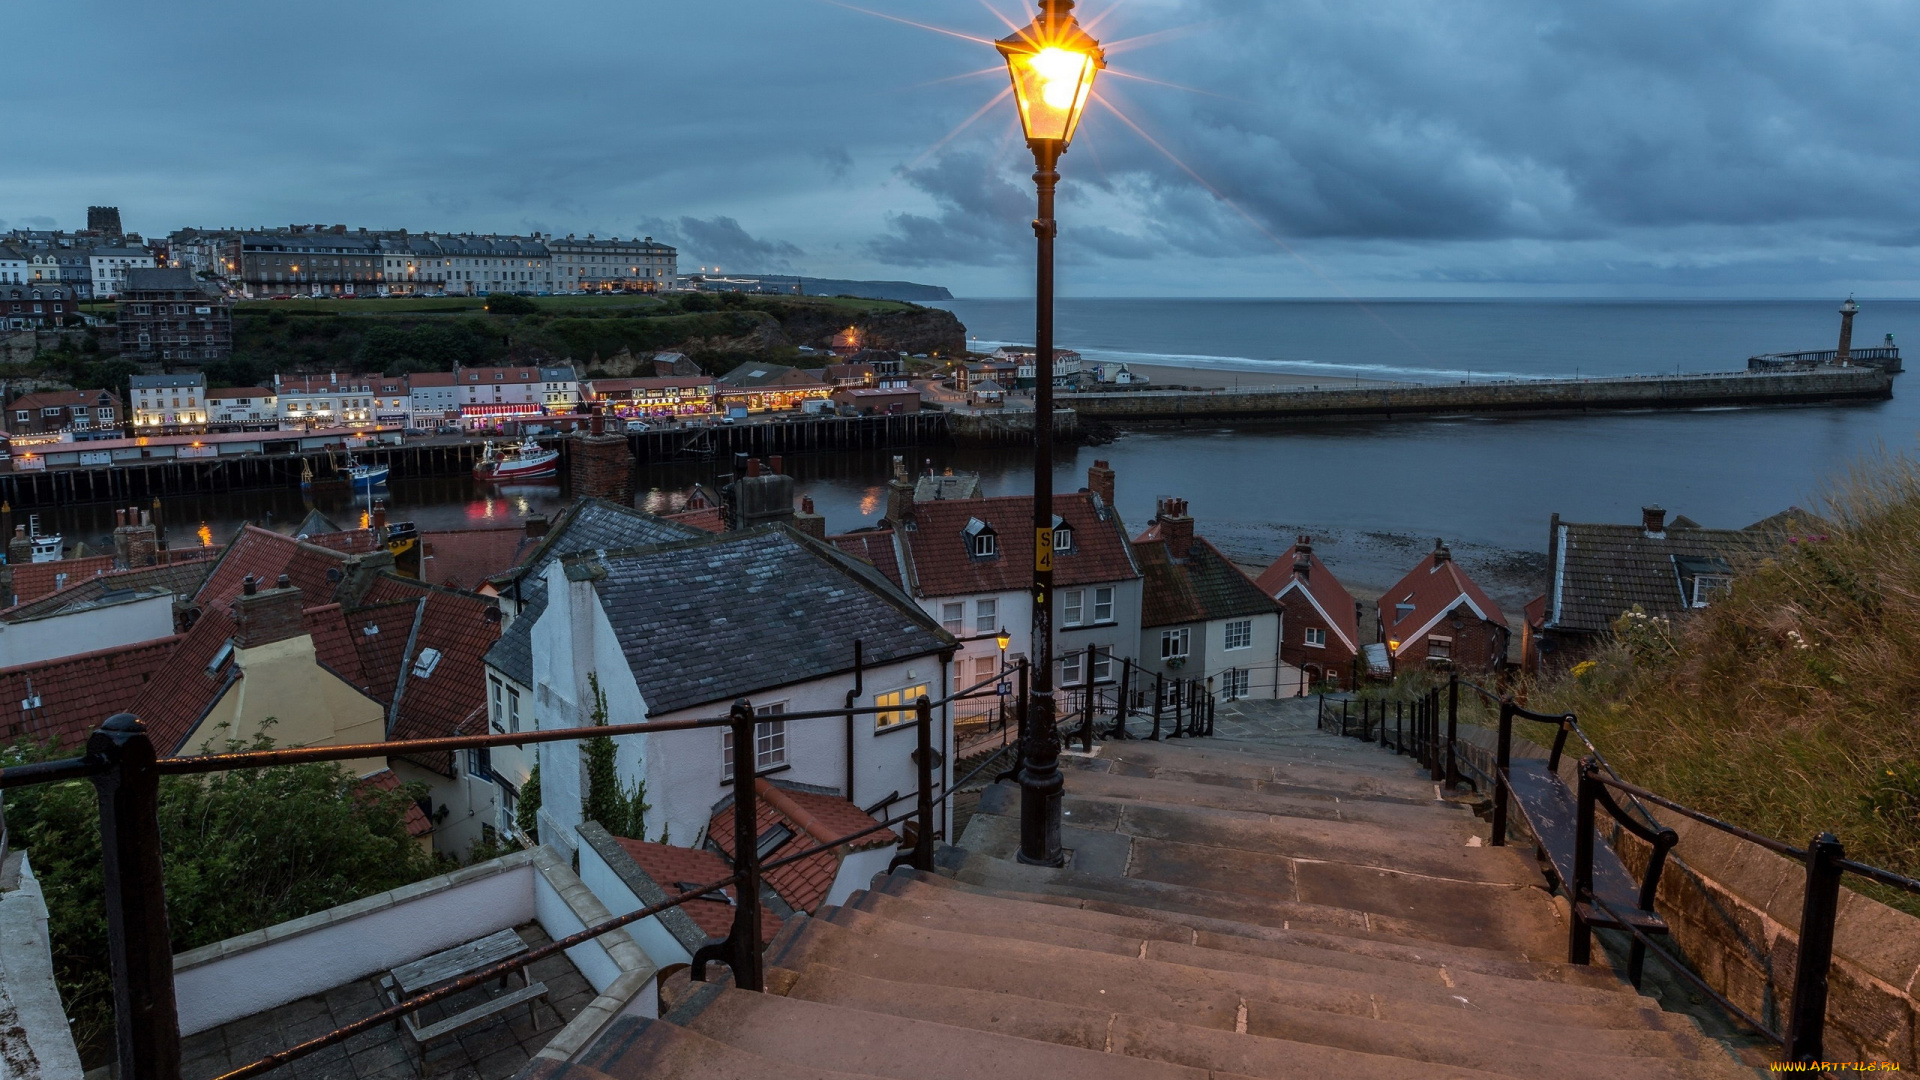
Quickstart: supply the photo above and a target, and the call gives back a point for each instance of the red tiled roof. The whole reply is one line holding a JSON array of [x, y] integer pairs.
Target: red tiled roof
[[430, 378], [815, 819], [221, 392], [266, 555], [453, 695], [351, 541], [182, 690], [181, 572], [1433, 588], [333, 642], [669, 867], [941, 563], [706, 518], [466, 558], [416, 819], [1202, 587], [77, 692], [32, 580], [874, 546], [1536, 611], [62, 399], [1322, 589], [377, 655]]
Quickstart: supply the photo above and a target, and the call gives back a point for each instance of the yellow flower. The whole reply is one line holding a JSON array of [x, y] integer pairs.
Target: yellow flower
[[1581, 669]]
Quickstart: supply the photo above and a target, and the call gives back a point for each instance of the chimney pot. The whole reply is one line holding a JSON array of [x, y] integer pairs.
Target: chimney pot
[[536, 526], [774, 464], [806, 504], [1654, 518], [753, 466], [248, 586], [1441, 553], [285, 582]]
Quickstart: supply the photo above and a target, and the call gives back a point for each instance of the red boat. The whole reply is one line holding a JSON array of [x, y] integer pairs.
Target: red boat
[[526, 461]]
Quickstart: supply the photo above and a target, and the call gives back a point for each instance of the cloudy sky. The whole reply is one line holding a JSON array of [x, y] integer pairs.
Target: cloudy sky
[[1304, 148]]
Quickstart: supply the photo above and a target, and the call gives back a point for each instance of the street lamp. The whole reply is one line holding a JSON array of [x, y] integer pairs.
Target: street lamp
[[1052, 62]]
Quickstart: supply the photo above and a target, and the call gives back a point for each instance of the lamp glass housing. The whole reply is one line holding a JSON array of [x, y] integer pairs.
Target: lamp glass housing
[[1053, 63]]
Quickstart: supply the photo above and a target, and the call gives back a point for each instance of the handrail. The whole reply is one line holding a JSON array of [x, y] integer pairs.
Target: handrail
[[1680, 967]]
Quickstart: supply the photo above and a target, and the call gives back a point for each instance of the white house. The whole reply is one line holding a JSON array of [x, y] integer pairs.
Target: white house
[[968, 563], [108, 266], [326, 400], [486, 395], [13, 267], [242, 408], [1203, 619], [681, 631], [431, 399], [168, 401]]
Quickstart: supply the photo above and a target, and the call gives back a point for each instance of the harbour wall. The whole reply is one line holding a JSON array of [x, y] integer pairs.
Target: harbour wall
[[1689, 391]]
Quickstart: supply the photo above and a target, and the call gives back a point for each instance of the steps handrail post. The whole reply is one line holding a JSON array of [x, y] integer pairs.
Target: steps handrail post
[[1399, 735], [139, 947], [1343, 718], [1121, 704], [923, 811], [1179, 706], [744, 939], [1503, 758], [1159, 699], [1579, 935], [1212, 707], [1453, 727], [1434, 771], [1086, 722], [1806, 1025]]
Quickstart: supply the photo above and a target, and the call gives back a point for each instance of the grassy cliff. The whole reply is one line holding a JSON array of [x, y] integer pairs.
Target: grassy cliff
[[1792, 705]]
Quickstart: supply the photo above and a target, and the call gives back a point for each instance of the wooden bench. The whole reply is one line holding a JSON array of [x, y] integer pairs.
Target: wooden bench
[[410, 980], [1551, 810]]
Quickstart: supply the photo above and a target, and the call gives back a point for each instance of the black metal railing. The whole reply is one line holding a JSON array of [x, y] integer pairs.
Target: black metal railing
[[124, 767], [1435, 732]]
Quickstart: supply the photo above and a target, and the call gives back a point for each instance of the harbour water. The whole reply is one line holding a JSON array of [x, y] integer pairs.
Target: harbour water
[[1375, 491]]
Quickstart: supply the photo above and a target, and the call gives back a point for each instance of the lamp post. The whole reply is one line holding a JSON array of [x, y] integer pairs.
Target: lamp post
[[1053, 63]]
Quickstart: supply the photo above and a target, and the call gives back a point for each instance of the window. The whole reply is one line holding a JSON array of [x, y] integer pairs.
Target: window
[[1070, 665], [1174, 644], [1062, 537], [953, 618], [1240, 634], [1234, 682], [480, 763], [513, 709], [897, 706], [22, 415], [1103, 604], [1403, 609], [50, 412], [1103, 664], [981, 541], [1072, 605], [1316, 637], [1439, 648], [986, 618], [769, 741]]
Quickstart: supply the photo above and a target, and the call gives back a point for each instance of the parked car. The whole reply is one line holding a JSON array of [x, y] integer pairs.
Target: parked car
[[418, 433], [635, 426]]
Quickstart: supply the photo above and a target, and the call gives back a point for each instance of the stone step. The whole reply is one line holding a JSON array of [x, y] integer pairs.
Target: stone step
[[1363, 774], [1432, 814], [1126, 957], [822, 1036], [544, 1069], [929, 956], [1065, 926], [1516, 919], [1230, 934], [635, 1048], [1440, 849], [1253, 1039]]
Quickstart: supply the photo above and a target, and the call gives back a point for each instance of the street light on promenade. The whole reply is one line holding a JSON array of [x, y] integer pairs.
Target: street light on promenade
[[1053, 63]]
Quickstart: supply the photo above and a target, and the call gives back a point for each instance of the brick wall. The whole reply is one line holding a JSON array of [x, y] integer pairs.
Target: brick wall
[[1300, 616], [1479, 646], [602, 467], [267, 616]]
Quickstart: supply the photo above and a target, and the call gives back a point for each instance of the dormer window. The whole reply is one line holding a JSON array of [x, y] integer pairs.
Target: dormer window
[[982, 543], [1403, 609], [1062, 534]]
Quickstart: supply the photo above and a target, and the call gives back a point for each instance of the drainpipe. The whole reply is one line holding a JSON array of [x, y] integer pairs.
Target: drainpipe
[[853, 696]]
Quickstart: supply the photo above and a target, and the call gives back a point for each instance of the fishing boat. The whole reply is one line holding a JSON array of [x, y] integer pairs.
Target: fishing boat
[[522, 462], [365, 477], [45, 548]]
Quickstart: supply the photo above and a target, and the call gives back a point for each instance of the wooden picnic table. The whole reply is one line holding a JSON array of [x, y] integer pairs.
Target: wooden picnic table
[[410, 980]]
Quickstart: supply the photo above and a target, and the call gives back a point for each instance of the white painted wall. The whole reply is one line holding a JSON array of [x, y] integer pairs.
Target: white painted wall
[[245, 975], [857, 872], [37, 1043], [86, 631], [653, 938]]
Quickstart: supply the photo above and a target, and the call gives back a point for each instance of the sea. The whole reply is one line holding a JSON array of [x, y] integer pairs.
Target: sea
[[1379, 490]]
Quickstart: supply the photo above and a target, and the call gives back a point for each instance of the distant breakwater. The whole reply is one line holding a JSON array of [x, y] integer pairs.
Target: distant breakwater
[[1155, 408]]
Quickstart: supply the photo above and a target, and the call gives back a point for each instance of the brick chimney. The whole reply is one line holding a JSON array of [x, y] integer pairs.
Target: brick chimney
[[899, 494], [1176, 528], [20, 548], [1654, 520], [136, 542], [809, 522], [1441, 553], [1303, 558], [264, 616], [536, 526], [1100, 481]]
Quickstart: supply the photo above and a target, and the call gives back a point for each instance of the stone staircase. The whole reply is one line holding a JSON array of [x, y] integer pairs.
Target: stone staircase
[[1284, 904]]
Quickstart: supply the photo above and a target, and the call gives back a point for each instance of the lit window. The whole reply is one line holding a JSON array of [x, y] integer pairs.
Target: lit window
[[1240, 634], [897, 706]]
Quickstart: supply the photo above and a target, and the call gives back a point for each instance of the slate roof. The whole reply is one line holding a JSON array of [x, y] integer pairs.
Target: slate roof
[[1202, 587], [77, 692], [587, 525], [940, 562], [1436, 587], [756, 374], [949, 486], [743, 612], [670, 867], [1321, 588], [156, 279], [466, 558], [707, 519], [182, 577], [813, 819], [33, 581], [1596, 572]]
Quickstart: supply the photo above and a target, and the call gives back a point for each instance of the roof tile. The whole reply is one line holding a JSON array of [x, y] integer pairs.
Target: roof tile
[[77, 692], [942, 564]]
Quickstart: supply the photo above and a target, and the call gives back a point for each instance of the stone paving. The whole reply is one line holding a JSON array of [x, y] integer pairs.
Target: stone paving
[[493, 1050]]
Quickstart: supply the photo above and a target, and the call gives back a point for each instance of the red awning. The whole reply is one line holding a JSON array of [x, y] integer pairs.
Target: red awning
[[523, 409]]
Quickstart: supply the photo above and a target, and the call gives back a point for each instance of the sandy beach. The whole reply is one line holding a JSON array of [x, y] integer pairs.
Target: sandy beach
[[1221, 378]]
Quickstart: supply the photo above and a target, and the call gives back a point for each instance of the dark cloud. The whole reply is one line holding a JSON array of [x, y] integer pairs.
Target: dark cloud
[[720, 241]]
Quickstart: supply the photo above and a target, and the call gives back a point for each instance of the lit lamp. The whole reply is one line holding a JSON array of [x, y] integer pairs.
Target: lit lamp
[[1052, 62], [1005, 639]]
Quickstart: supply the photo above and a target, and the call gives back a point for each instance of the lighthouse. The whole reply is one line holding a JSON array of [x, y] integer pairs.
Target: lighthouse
[[1847, 311]]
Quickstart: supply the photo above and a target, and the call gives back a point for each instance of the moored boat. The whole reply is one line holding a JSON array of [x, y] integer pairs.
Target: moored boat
[[524, 461]]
